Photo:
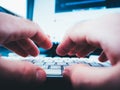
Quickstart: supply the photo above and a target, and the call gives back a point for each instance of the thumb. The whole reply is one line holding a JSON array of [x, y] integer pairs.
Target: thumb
[[21, 71], [84, 77]]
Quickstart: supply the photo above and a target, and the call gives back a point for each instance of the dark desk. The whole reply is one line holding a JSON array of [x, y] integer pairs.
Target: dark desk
[[50, 84]]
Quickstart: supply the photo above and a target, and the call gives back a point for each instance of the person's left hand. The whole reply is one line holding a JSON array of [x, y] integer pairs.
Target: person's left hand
[[18, 35]]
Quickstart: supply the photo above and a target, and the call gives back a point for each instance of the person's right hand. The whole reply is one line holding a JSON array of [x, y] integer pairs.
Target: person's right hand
[[18, 35], [85, 37]]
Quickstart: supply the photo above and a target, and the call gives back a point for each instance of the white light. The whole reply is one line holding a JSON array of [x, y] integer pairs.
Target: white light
[[16, 6]]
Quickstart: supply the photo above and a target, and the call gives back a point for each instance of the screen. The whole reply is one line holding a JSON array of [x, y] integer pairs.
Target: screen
[[57, 16], [73, 5]]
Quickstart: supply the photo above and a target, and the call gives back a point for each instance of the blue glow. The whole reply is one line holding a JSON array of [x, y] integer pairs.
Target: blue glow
[[83, 2]]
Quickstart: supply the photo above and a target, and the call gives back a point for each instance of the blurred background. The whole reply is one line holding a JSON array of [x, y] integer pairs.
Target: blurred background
[[57, 16]]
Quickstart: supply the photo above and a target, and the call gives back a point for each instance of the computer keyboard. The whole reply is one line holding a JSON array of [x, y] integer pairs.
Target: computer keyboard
[[54, 66]]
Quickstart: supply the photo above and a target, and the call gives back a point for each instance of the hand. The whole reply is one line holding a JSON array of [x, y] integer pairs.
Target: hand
[[85, 37], [20, 72], [19, 35]]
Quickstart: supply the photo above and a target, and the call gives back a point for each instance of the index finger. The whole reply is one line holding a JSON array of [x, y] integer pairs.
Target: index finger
[[42, 40], [66, 45]]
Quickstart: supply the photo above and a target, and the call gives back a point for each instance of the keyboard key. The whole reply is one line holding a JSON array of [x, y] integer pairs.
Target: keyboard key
[[49, 63], [55, 67], [53, 72], [39, 64], [61, 63], [94, 64]]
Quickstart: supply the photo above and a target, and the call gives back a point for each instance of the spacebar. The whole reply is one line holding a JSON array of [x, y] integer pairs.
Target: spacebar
[[53, 72]]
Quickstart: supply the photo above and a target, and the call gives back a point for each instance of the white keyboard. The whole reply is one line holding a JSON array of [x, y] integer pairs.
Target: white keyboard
[[54, 66]]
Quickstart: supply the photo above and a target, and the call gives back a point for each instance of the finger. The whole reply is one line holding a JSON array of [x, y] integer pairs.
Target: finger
[[85, 51], [21, 71], [73, 51], [20, 28], [81, 50], [13, 46], [42, 40], [28, 46], [83, 77], [103, 57], [65, 46]]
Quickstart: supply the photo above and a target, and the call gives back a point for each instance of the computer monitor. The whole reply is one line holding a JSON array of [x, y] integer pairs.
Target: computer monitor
[[57, 16]]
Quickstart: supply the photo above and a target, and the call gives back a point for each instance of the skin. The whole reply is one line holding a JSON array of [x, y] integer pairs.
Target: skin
[[84, 37], [18, 35]]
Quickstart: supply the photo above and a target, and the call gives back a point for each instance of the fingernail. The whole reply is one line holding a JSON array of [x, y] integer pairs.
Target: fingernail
[[40, 76]]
